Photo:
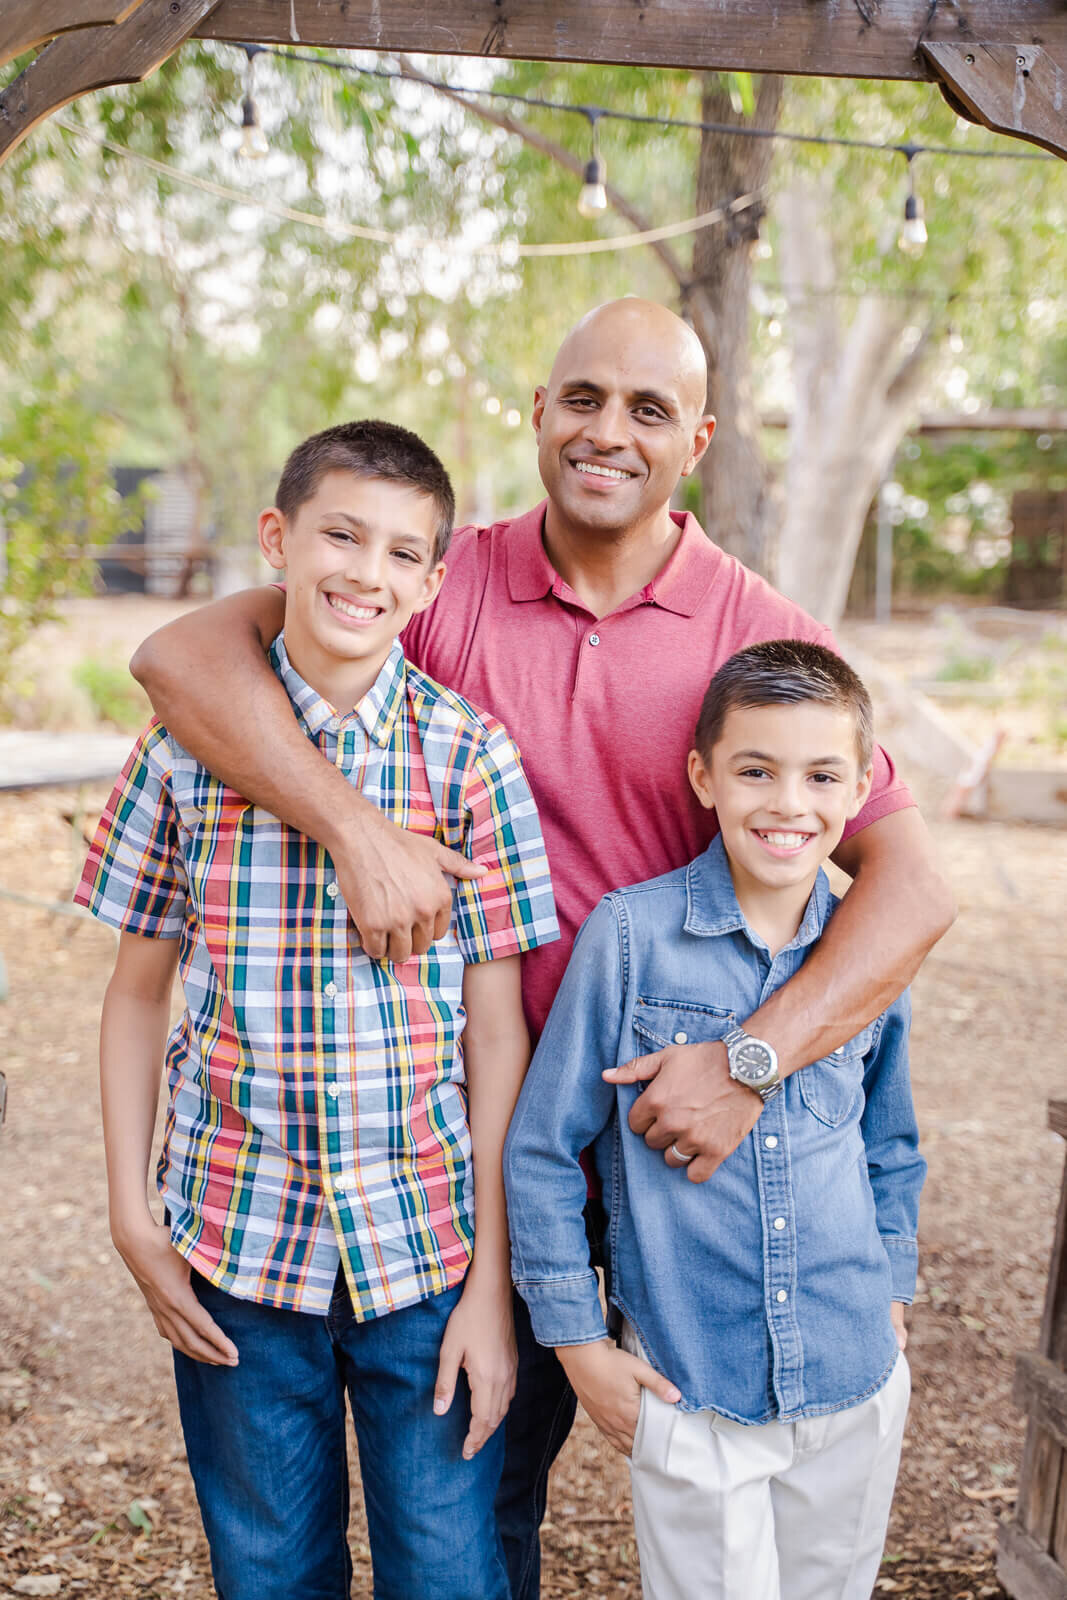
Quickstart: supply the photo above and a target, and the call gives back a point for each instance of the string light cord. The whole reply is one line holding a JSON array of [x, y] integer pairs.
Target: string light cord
[[505, 248], [906, 148]]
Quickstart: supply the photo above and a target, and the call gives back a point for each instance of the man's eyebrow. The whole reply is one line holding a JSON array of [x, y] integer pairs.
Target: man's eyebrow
[[668, 402]]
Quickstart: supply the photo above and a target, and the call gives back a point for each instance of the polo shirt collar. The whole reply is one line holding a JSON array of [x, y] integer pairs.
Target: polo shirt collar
[[377, 711], [680, 587], [712, 908]]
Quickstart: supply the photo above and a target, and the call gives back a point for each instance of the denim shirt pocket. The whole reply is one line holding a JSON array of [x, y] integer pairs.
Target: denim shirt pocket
[[659, 1023], [830, 1087]]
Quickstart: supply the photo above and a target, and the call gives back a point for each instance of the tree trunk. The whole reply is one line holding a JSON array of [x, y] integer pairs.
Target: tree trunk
[[855, 393], [741, 508]]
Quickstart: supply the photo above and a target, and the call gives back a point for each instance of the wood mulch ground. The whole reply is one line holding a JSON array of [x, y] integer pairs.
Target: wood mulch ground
[[95, 1498]]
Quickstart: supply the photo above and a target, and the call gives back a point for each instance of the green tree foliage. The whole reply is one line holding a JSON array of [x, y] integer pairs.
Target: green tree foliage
[[56, 498]]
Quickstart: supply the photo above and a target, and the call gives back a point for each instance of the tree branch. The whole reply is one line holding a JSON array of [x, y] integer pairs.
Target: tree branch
[[670, 262]]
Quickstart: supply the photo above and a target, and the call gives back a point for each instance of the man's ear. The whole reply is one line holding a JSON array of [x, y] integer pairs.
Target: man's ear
[[540, 396], [863, 789], [700, 779], [272, 529], [701, 439]]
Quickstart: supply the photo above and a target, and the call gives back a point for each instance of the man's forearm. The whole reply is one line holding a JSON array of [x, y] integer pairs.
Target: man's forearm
[[896, 910], [211, 685]]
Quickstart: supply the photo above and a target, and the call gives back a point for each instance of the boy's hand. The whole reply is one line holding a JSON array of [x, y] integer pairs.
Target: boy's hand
[[693, 1103], [896, 1317], [163, 1277], [480, 1338], [608, 1382], [396, 887]]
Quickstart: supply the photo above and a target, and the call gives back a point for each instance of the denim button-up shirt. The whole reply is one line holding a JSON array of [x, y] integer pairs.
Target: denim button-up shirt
[[765, 1292]]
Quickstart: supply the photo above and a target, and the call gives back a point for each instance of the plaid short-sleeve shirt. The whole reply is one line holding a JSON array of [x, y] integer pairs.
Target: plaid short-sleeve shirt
[[317, 1107]]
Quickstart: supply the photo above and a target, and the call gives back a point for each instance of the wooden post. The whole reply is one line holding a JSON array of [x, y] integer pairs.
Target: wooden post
[[1032, 1549]]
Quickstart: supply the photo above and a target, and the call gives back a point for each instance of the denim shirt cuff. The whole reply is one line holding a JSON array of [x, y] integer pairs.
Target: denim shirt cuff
[[903, 1266], [564, 1310]]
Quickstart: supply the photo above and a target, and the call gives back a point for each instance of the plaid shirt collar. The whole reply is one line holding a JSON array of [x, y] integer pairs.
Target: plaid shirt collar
[[377, 711]]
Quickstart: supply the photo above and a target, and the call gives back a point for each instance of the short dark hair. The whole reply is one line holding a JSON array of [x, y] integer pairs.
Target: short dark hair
[[369, 449], [784, 672]]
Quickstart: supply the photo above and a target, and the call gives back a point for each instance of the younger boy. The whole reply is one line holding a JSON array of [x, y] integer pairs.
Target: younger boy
[[761, 1388], [317, 1166]]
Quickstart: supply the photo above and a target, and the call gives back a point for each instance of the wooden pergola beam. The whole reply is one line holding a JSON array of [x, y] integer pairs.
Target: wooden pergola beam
[[24, 24], [846, 39], [1001, 62], [84, 59]]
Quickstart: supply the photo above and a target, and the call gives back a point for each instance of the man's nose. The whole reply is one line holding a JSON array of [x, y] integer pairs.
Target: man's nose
[[608, 427]]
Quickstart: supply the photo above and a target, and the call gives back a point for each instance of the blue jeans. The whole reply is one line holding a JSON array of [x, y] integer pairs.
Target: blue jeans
[[266, 1446]]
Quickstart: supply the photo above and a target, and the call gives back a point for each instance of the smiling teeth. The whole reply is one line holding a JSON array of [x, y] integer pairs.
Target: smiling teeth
[[785, 841], [603, 472], [359, 613]]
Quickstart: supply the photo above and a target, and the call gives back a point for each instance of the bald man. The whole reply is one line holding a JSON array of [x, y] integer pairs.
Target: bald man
[[590, 626]]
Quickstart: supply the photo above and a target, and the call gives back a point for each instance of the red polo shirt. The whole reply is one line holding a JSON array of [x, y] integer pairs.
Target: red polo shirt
[[603, 709]]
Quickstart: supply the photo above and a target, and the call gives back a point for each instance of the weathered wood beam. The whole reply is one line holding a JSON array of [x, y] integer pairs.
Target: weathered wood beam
[[1040, 1390], [92, 58], [849, 39], [24, 24], [1025, 1570], [1017, 88]]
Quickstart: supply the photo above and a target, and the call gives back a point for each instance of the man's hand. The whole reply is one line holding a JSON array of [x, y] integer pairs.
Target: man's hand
[[896, 1316], [608, 1382], [396, 887], [163, 1277], [480, 1338], [692, 1102]]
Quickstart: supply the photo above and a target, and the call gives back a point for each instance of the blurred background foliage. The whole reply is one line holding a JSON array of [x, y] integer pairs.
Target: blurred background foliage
[[170, 326]]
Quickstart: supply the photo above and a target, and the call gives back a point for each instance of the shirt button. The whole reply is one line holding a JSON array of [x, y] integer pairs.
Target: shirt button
[[779, 1223], [681, 1038], [332, 890], [781, 1296], [330, 990], [334, 1089], [771, 1141], [594, 638]]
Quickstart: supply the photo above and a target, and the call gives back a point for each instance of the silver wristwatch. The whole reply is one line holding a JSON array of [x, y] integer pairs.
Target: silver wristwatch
[[753, 1062]]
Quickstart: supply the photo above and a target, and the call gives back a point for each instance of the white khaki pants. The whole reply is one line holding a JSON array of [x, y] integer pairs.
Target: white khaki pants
[[779, 1511]]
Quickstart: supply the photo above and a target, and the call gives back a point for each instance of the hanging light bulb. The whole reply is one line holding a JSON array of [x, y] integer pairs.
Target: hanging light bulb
[[912, 236], [593, 198], [253, 144]]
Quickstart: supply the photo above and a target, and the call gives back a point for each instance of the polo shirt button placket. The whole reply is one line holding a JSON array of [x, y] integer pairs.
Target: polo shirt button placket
[[594, 638]]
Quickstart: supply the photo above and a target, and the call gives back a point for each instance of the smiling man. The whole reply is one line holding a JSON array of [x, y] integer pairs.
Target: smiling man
[[591, 627]]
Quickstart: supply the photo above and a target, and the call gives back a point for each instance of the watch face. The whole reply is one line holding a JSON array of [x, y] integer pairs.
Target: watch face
[[752, 1061]]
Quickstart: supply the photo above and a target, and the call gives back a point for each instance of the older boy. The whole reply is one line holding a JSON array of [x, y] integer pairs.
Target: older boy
[[761, 1387], [317, 1165]]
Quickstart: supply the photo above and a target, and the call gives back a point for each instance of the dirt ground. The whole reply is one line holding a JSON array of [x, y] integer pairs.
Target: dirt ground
[[95, 1498]]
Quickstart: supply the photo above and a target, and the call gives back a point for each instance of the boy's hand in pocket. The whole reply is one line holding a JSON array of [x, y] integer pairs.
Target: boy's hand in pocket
[[608, 1382], [164, 1278]]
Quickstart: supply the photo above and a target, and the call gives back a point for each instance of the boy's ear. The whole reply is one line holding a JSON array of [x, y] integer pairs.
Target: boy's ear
[[272, 527], [700, 779], [863, 789], [431, 583]]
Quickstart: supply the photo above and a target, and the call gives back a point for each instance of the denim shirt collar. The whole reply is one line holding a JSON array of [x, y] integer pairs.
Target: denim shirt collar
[[712, 908], [377, 711]]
